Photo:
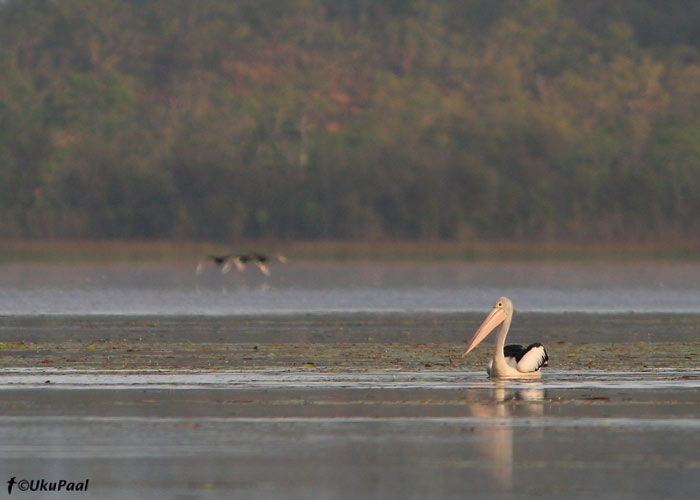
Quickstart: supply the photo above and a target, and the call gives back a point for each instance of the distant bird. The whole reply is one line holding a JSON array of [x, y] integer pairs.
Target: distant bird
[[221, 261], [224, 262], [509, 361], [260, 260]]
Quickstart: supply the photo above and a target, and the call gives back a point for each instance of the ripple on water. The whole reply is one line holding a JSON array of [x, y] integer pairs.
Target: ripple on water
[[300, 379]]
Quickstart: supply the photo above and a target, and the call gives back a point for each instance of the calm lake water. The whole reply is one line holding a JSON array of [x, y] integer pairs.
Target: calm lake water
[[272, 427], [305, 435], [348, 287]]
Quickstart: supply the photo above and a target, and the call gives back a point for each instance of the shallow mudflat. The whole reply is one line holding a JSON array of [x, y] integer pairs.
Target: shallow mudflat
[[358, 341], [361, 405]]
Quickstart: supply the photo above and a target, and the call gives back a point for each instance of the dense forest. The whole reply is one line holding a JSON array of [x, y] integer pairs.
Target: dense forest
[[222, 120]]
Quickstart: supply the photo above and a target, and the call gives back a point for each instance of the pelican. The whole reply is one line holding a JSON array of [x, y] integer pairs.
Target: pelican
[[509, 361]]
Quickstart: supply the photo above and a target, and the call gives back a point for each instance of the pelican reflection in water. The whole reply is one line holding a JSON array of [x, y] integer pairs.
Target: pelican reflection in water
[[495, 435], [509, 361]]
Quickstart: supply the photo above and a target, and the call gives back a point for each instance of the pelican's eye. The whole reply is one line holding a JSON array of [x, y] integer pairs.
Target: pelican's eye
[[500, 304]]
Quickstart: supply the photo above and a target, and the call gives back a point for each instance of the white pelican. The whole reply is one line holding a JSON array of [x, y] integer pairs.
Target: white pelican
[[509, 361]]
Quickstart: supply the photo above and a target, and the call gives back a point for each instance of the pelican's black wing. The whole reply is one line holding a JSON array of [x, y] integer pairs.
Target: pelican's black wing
[[514, 351], [530, 358]]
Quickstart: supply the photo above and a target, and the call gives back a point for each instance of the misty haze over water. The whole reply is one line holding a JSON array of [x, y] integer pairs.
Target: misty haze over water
[[27, 289]]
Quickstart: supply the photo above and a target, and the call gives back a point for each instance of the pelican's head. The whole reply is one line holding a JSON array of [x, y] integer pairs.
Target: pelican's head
[[502, 309]]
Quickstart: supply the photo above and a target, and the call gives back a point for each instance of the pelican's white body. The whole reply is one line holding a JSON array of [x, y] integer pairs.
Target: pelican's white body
[[530, 362]]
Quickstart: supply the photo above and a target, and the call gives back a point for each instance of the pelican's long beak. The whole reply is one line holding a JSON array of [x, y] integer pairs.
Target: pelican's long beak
[[495, 318]]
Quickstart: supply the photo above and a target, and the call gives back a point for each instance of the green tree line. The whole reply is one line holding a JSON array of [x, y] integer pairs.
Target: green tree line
[[350, 119]]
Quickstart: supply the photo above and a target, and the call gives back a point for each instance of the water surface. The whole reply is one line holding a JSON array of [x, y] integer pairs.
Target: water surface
[[348, 287], [339, 381], [310, 434]]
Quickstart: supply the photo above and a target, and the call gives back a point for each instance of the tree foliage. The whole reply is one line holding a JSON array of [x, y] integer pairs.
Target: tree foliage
[[340, 119]]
